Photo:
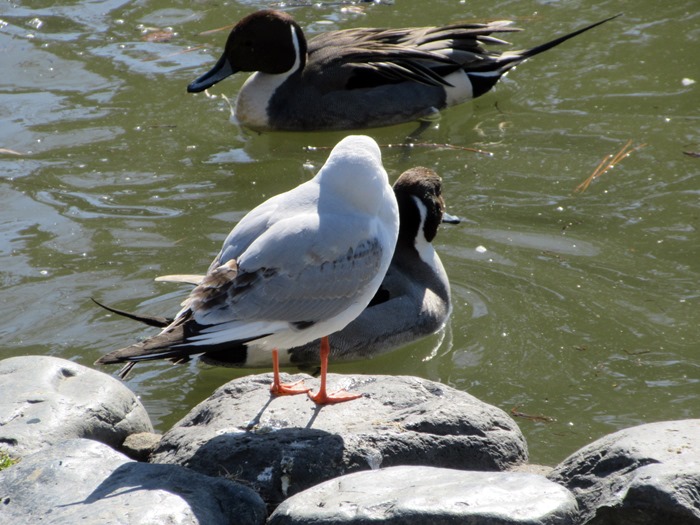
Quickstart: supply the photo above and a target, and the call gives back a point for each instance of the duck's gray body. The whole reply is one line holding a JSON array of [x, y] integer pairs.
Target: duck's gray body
[[419, 306]]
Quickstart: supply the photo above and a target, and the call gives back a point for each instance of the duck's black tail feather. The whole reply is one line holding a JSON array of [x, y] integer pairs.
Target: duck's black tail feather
[[160, 322], [485, 77]]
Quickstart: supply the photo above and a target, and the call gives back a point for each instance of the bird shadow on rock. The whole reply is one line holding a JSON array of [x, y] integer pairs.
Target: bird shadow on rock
[[210, 499], [275, 463], [272, 453]]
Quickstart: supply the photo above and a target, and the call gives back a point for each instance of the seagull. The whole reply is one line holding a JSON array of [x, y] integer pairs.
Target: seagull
[[299, 267], [412, 302]]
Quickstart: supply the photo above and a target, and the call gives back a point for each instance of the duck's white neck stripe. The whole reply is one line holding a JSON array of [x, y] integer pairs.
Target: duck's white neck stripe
[[297, 53], [425, 249], [254, 96]]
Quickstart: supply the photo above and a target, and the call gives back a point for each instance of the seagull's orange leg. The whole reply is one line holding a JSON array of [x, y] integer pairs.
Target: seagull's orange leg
[[278, 388], [322, 397]]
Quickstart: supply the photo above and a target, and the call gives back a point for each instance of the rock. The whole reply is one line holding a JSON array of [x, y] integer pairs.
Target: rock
[[45, 400], [86, 482], [420, 495], [139, 446], [531, 468], [643, 475], [281, 446]]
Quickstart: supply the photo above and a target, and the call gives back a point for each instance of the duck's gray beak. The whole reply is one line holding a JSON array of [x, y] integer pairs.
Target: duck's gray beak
[[450, 219], [220, 71]]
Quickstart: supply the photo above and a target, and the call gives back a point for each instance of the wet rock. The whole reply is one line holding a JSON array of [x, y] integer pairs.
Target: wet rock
[[420, 495], [86, 482], [281, 446], [139, 446], [44, 400], [642, 475]]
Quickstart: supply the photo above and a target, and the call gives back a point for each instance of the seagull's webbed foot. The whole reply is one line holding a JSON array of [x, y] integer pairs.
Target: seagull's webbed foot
[[277, 388]]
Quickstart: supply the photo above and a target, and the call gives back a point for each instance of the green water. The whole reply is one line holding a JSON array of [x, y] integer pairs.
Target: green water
[[579, 307]]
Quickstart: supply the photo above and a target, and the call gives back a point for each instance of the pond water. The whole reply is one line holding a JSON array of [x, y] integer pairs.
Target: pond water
[[580, 307]]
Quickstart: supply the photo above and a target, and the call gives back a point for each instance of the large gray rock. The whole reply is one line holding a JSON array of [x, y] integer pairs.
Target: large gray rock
[[86, 482], [283, 445], [421, 495], [643, 475], [45, 400]]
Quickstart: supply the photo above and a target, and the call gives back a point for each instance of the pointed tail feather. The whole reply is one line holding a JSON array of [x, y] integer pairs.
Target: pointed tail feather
[[126, 369], [176, 344], [160, 322], [124, 372], [485, 77], [552, 43], [161, 346]]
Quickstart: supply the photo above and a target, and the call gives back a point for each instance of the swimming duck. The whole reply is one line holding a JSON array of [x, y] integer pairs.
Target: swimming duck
[[359, 78], [298, 267], [413, 300]]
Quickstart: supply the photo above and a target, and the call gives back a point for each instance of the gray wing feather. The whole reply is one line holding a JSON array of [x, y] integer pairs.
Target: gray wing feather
[[278, 284], [317, 292], [402, 54], [256, 222]]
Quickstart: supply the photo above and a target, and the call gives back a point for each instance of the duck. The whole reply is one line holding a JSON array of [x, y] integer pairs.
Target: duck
[[360, 78], [412, 302], [297, 268]]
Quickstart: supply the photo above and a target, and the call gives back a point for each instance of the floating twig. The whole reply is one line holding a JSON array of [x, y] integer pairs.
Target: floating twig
[[348, 3], [155, 34], [9, 151], [538, 417], [438, 146], [414, 145], [182, 52], [608, 162], [212, 31]]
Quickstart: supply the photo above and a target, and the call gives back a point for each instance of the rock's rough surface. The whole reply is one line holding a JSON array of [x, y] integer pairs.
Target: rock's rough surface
[[86, 482], [643, 475], [283, 445], [44, 400], [139, 446], [421, 495]]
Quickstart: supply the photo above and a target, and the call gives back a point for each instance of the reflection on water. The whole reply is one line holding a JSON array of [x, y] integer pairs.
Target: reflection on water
[[580, 307]]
